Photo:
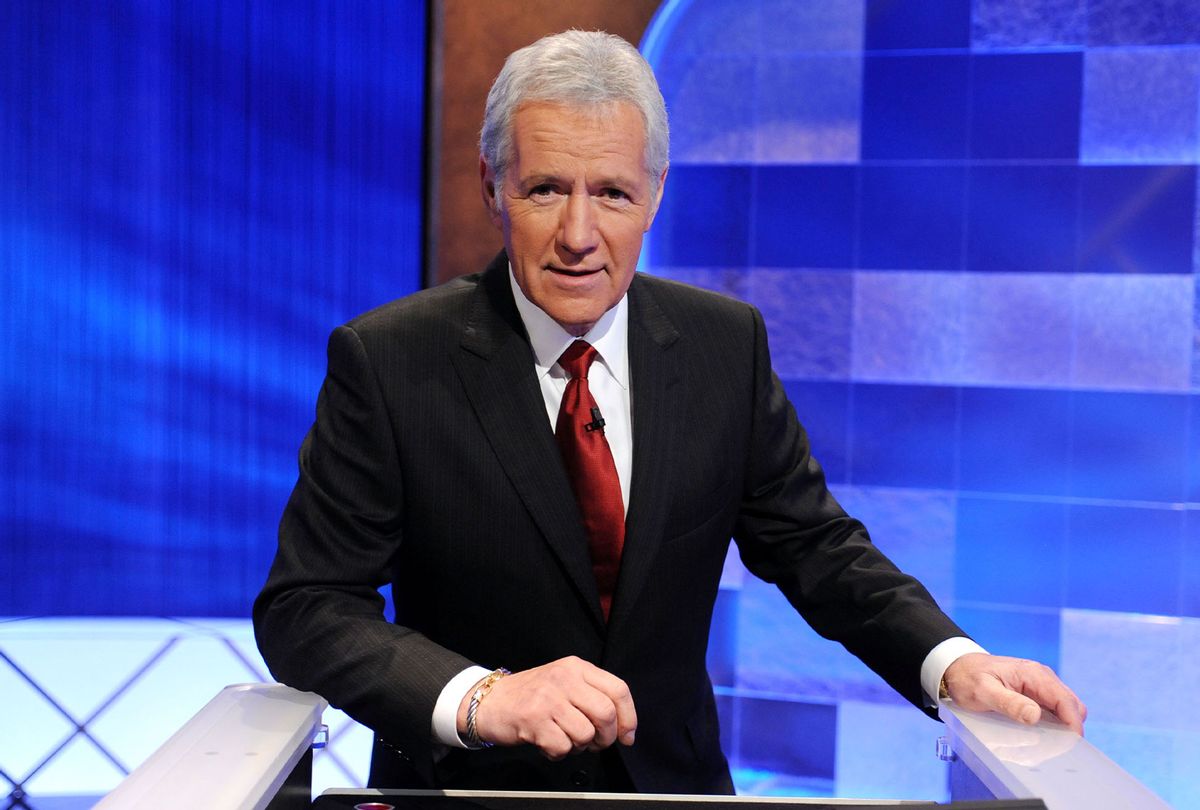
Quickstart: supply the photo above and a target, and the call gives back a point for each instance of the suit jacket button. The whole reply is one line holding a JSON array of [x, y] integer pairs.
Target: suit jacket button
[[581, 778]]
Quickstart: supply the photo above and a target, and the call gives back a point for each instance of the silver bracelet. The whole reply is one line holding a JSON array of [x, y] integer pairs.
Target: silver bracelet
[[477, 697]]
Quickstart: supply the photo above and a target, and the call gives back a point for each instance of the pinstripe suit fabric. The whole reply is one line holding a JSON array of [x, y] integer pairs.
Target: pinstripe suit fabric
[[431, 466]]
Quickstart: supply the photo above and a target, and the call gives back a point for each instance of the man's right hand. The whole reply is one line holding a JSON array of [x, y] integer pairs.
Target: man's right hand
[[566, 706]]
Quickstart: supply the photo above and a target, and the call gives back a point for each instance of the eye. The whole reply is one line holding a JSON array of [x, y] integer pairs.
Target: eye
[[614, 195], [542, 191]]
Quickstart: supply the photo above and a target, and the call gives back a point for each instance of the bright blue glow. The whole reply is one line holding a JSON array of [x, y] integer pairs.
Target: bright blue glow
[[1031, 23], [1026, 105], [1017, 329], [911, 217], [804, 216], [920, 341], [190, 199], [913, 24], [1142, 22], [1137, 219], [820, 125], [920, 413], [1108, 460], [915, 528], [814, 343], [694, 227], [775, 745], [1133, 331], [661, 30], [1096, 645], [894, 84], [1123, 88], [1124, 558], [992, 568], [1006, 383], [1016, 441], [1022, 217], [1021, 631]]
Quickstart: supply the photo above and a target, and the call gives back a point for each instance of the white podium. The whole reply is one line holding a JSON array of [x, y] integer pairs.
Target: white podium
[[251, 747]]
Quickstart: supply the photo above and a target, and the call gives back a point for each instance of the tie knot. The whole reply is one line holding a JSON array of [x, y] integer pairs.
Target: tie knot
[[577, 359]]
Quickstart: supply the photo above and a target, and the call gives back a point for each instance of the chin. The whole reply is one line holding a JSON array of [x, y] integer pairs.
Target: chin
[[573, 311], [574, 321]]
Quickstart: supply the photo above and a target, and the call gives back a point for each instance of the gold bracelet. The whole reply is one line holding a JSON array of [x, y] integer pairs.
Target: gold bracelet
[[477, 697]]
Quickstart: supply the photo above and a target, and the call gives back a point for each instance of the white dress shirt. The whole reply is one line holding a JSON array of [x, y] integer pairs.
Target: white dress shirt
[[608, 380]]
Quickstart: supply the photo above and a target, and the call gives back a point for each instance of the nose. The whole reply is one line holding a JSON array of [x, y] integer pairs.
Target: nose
[[578, 233]]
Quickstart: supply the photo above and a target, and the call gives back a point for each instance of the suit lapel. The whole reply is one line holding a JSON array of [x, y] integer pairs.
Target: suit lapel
[[496, 367], [657, 386]]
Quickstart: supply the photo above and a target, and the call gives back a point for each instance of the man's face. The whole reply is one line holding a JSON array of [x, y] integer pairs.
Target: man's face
[[575, 202]]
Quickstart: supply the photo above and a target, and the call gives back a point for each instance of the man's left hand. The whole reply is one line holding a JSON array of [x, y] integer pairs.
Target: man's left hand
[[1014, 687]]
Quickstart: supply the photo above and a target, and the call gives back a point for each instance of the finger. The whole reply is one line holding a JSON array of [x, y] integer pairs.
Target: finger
[[601, 713], [1072, 713], [618, 692], [1009, 703], [591, 691], [1069, 709], [1043, 686], [576, 726], [553, 742]]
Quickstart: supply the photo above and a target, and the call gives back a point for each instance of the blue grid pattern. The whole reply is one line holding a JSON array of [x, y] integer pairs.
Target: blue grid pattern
[[92, 699], [980, 280]]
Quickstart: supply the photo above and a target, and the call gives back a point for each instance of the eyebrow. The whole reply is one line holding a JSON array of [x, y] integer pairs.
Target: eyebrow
[[604, 181], [538, 179], [617, 180]]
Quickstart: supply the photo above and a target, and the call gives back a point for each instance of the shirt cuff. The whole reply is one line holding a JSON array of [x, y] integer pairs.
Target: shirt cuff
[[939, 660], [445, 711]]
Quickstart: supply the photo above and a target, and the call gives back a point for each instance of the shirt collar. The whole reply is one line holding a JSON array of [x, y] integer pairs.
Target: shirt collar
[[609, 335]]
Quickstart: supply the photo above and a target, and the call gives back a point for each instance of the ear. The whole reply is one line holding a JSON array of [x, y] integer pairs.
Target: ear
[[662, 182], [487, 187]]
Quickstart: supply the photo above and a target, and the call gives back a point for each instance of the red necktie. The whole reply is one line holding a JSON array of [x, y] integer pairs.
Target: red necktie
[[590, 467]]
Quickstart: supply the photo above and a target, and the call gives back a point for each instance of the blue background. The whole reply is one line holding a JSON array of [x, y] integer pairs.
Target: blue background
[[971, 229], [191, 197], [970, 225]]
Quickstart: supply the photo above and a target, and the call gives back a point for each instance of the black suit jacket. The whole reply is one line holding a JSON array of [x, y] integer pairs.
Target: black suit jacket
[[432, 465]]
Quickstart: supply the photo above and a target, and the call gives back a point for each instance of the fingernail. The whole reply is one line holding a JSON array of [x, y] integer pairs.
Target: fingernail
[[627, 738]]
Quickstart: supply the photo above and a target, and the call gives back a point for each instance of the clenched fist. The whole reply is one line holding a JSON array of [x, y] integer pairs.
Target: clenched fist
[[566, 706]]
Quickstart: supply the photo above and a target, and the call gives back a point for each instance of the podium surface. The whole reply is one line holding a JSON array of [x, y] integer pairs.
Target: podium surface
[[237, 752], [369, 799], [384, 799], [251, 747]]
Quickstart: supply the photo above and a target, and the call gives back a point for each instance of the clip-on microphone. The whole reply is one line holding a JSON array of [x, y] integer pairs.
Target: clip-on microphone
[[597, 422]]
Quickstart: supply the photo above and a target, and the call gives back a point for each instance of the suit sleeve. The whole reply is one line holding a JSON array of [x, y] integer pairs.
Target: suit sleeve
[[791, 532], [319, 619]]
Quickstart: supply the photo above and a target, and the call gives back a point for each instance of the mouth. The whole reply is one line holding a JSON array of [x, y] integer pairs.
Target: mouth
[[574, 272]]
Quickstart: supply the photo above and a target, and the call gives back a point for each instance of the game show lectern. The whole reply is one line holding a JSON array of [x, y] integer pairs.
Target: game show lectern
[[251, 747]]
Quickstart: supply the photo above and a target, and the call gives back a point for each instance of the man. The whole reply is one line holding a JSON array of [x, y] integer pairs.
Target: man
[[562, 508]]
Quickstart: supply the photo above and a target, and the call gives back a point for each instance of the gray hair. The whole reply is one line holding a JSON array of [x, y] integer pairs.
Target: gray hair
[[576, 68]]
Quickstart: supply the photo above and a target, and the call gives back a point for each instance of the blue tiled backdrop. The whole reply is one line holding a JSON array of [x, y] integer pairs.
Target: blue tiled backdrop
[[970, 226], [971, 229]]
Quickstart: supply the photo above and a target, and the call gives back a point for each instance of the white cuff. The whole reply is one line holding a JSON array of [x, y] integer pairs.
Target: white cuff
[[939, 660], [445, 711]]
